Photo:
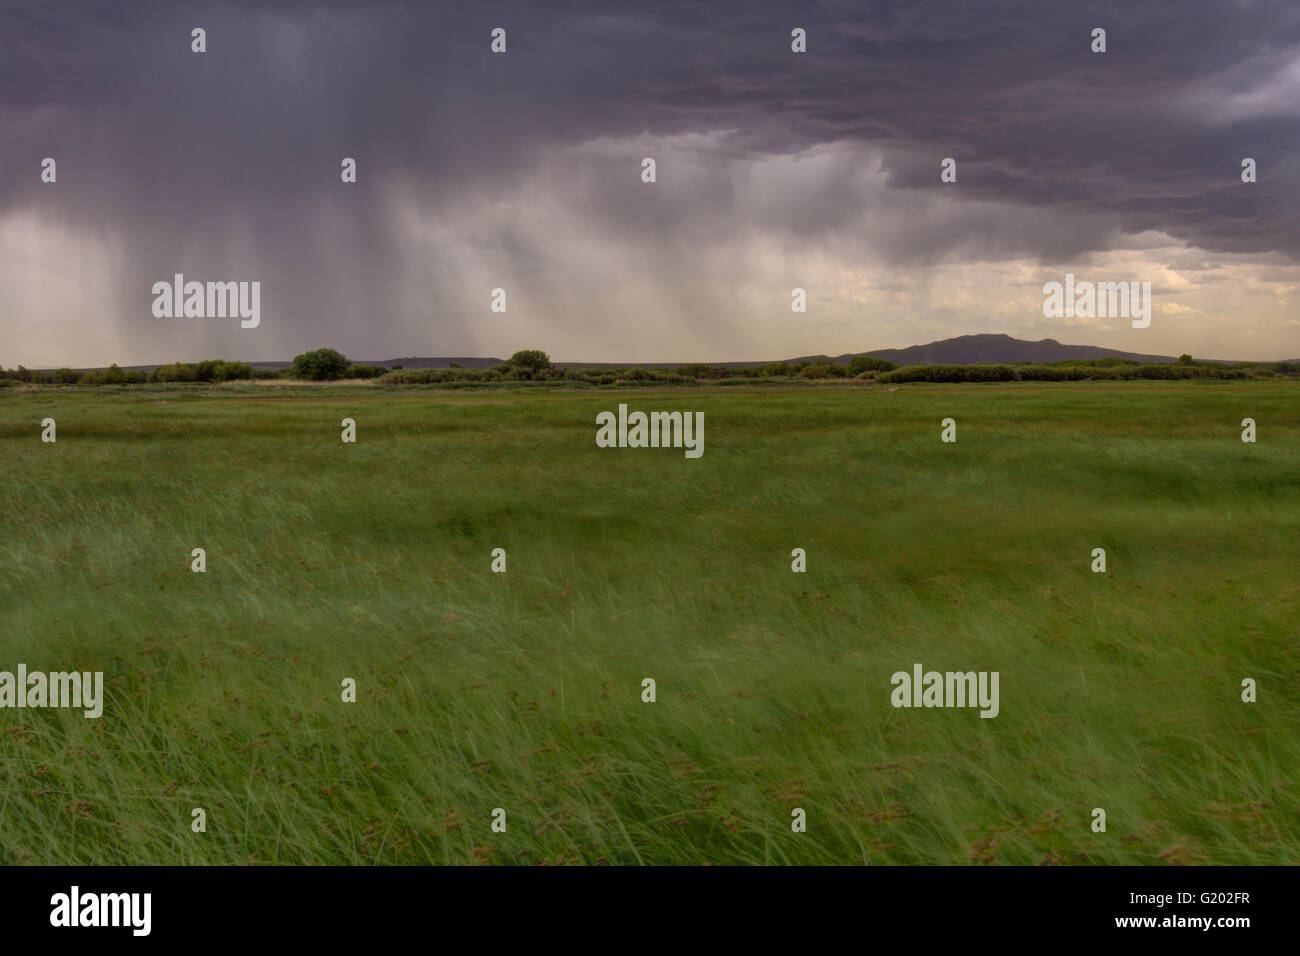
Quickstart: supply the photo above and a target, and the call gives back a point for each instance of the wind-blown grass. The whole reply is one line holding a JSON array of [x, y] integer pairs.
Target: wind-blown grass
[[523, 690]]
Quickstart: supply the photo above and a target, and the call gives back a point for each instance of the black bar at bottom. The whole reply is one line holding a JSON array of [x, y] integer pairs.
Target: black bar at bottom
[[332, 905]]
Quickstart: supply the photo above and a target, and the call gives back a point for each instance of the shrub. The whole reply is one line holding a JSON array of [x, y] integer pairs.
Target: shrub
[[532, 360], [320, 365], [176, 372], [865, 363], [823, 370], [219, 370], [437, 376], [697, 371], [113, 375]]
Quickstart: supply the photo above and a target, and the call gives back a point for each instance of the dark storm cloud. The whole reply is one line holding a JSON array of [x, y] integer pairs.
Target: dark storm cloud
[[1009, 89], [227, 163]]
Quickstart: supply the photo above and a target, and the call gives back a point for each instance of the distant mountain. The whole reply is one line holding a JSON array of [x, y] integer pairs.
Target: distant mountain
[[969, 349], [963, 350]]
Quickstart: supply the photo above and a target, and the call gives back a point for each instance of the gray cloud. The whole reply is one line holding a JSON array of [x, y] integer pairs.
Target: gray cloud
[[225, 165]]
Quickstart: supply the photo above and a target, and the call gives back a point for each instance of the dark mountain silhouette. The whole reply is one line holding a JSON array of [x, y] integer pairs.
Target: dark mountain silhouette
[[962, 350], [968, 349]]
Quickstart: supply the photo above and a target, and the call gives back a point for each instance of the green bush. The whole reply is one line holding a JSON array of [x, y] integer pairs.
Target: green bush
[[219, 370], [530, 360], [320, 365], [113, 375], [438, 376], [865, 363], [650, 375], [823, 370], [175, 372], [698, 371]]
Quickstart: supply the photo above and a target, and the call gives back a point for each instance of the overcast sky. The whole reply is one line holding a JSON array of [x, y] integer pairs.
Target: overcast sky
[[523, 171]]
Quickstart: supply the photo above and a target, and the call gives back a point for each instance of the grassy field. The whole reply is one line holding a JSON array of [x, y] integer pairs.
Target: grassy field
[[523, 690]]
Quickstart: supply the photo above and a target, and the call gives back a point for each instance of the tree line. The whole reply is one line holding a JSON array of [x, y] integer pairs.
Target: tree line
[[534, 365]]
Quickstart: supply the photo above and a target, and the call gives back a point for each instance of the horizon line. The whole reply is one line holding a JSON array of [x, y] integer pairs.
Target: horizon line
[[1150, 356]]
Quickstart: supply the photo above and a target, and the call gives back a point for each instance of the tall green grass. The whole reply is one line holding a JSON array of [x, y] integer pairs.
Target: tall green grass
[[523, 691]]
